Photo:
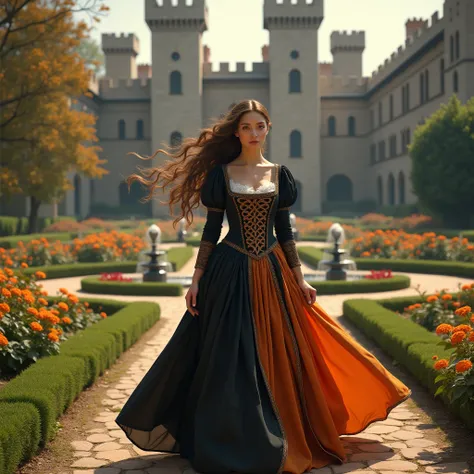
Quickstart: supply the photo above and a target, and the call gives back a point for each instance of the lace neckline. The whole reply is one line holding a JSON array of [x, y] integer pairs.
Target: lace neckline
[[266, 187]]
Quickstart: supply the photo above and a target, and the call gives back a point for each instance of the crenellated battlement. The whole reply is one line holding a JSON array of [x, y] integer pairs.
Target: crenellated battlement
[[123, 43], [427, 32], [333, 85], [125, 89], [237, 70], [176, 15], [347, 41], [283, 14]]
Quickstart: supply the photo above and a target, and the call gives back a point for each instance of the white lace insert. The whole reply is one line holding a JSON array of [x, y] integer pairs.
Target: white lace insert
[[266, 187]]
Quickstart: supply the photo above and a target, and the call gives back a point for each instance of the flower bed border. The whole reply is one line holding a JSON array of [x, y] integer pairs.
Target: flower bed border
[[397, 282], [32, 402], [312, 256], [178, 256], [407, 342], [96, 286]]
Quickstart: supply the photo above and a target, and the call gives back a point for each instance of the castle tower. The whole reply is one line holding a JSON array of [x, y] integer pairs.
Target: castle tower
[[459, 48], [120, 55], [412, 25], [347, 49], [294, 94], [177, 56]]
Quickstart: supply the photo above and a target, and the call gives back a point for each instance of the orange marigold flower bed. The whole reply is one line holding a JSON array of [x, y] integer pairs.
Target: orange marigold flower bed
[[458, 337], [463, 311], [441, 364], [463, 366], [444, 329]]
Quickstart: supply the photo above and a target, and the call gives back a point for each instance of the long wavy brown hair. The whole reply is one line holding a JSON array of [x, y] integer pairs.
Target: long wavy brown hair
[[192, 160]]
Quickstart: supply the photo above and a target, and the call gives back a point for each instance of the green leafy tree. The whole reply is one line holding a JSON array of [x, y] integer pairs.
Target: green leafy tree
[[91, 53], [442, 155]]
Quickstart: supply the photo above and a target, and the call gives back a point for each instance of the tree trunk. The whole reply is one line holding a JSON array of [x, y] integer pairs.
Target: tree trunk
[[33, 217]]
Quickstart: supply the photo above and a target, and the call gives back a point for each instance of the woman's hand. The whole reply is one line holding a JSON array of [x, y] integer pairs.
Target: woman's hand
[[191, 297], [308, 291]]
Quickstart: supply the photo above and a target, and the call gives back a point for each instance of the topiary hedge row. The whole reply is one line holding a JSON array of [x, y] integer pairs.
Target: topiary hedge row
[[31, 403], [407, 342], [397, 282], [178, 256], [312, 256], [96, 286]]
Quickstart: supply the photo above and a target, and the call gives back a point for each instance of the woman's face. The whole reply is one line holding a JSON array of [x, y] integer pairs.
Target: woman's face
[[252, 130]]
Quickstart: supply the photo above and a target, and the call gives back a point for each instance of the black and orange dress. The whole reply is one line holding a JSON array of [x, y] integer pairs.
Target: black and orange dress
[[261, 381]]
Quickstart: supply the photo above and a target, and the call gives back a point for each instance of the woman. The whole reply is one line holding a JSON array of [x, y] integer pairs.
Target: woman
[[257, 377]]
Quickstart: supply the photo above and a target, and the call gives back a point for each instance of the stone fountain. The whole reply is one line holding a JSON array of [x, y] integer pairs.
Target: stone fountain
[[336, 267], [156, 267]]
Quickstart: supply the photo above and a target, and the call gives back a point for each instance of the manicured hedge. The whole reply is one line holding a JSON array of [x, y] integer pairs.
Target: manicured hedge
[[407, 342], [312, 256], [178, 256], [31, 403], [12, 242], [397, 282], [97, 304], [96, 286]]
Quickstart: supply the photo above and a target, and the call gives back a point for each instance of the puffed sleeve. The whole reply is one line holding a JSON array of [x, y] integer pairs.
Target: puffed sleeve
[[213, 197], [287, 197]]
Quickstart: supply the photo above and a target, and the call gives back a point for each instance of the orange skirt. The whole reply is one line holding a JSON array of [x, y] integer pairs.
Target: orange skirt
[[323, 383]]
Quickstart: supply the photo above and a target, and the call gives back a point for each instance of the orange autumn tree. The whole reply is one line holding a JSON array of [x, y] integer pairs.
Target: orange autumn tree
[[43, 140]]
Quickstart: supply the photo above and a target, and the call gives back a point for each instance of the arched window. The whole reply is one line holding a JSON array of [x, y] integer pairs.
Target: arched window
[[391, 107], [457, 46], [451, 48], [339, 188], [139, 129], [297, 207], [441, 75], [391, 190], [295, 81], [380, 191], [332, 126], [77, 195], [296, 146], [455, 82], [401, 188], [176, 86], [176, 139], [131, 201], [351, 126], [121, 129]]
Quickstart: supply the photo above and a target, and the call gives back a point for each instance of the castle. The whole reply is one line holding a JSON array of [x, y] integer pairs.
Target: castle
[[344, 136]]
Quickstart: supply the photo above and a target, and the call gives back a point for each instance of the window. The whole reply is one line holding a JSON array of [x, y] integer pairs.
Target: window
[[405, 98], [339, 188], [176, 86], [451, 48], [401, 188], [457, 46], [351, 126], [380, 190], [332, 126], [393, 146], [121, 129], [139, 129], [391, 190], [294, 54], [427, 86], [408, 98], [176, 139], [175, 56], [441, 75], [373, 154], [295, 144], [455, 82], [380, 114], [422, 88], [382, 150], [295, 81], [391, 107], [406, 139]]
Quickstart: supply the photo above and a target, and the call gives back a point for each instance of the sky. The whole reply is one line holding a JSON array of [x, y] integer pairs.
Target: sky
[[235, 30]]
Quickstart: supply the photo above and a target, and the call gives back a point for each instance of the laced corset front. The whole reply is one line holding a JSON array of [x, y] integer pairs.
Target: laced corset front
[[252, 214]]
